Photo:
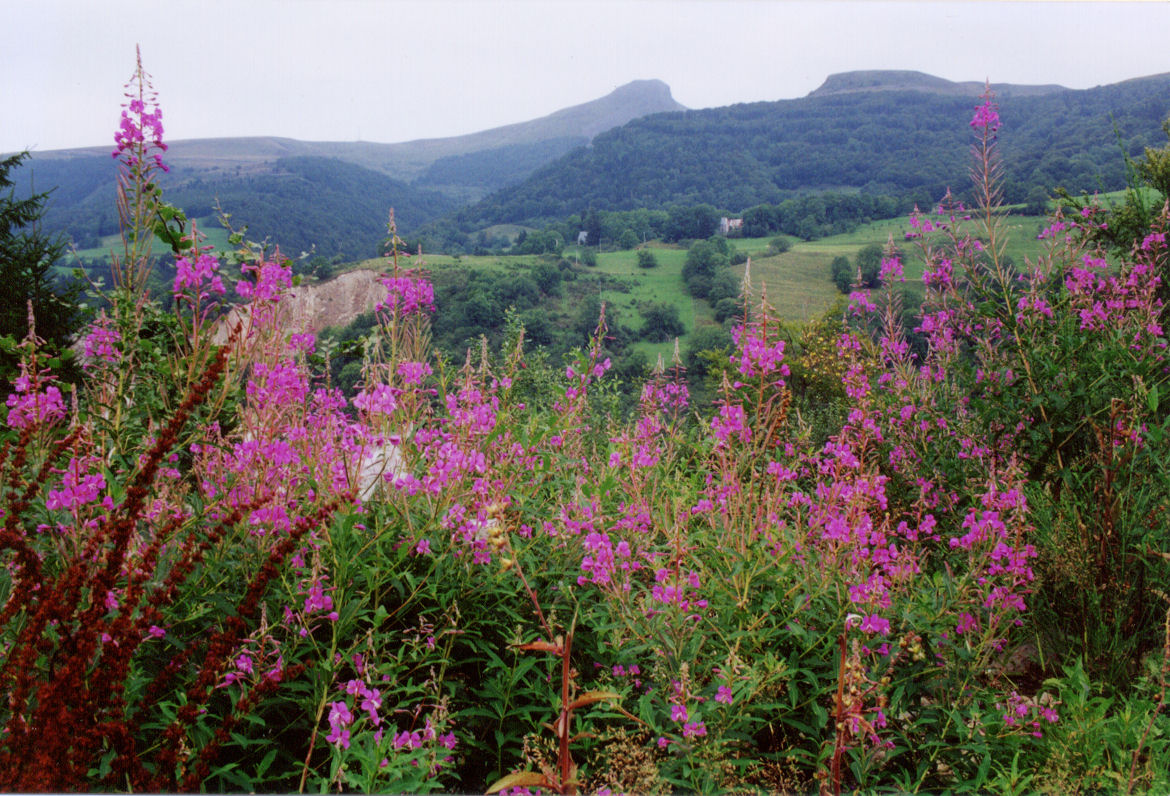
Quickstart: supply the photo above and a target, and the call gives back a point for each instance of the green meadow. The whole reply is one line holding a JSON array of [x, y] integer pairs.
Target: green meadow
[[796, 283]]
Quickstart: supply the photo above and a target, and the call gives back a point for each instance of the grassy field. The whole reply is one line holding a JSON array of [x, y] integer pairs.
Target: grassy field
[[797, 283], [660, 285], [216, 236]]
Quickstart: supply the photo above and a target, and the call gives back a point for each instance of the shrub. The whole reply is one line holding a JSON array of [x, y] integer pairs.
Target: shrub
[[869, 263], [705, 260], [220, 573], [843, 273], [661, 322], [779, 244]]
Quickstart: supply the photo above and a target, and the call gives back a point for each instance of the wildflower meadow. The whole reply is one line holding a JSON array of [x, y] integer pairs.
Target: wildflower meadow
[[873, 563]]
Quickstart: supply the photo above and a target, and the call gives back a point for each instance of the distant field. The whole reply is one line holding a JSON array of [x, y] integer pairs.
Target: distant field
[[435, 262], [796, 283], [651, 285], [510, 230], [216, 236]]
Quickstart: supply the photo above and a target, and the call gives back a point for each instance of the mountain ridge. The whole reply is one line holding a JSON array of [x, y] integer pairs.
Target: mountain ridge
[[406, 160], [897, 134], [910, 80], [303, 193]]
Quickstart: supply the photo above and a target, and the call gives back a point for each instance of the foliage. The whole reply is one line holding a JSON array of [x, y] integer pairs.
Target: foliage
[[308, 204], [491, 169], [28, 258], [869, 264], [628, 239], [843, 561], [661, 322], [843, 273], [706, 260], [883, 143], [1147, 190], [779, 244]]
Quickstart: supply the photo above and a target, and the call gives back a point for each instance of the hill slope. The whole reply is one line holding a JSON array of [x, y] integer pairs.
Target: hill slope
[[906, 80], [302, 193], [903, 134], [410, 159]]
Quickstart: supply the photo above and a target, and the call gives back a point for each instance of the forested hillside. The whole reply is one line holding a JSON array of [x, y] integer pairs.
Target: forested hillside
[[332, 195], [301, 203], [898, 142], [888, 136]]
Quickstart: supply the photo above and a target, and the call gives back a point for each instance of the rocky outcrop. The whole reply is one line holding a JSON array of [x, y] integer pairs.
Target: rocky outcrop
[[311, 308], [907, 80]]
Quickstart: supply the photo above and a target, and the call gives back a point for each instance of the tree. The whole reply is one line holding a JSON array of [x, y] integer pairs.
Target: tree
[[724, 285], [628, 239], [691, 222], [704, 260], [704, 338], [779, 244], [869, 262], [27, 260], [662, 323], [729, 308], [647, 259], [548, 278], [842, 273], [1037, 202], [593, 228]]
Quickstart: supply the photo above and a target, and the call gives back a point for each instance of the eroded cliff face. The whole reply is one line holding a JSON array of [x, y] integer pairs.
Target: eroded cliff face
[[335, 302], [311, 308]]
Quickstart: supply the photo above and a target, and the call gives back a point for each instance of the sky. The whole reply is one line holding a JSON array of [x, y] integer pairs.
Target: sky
[[398, 70]]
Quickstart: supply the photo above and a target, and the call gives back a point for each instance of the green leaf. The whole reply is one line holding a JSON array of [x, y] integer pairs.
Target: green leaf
[[265, 763], [1152, 399], [984, 770]]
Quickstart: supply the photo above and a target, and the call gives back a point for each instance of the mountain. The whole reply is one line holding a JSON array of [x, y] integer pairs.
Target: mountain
[[903, 134], [305, 193], [300, 202], [906, 80], [896, 134]]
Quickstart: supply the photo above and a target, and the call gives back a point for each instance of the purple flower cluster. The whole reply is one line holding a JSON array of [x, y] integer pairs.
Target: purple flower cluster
[[407, 295], [139, 130], [198, 280], [35, 400], [101, 343]]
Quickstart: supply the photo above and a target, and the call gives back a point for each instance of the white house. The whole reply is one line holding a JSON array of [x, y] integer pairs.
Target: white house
[[727, 225]]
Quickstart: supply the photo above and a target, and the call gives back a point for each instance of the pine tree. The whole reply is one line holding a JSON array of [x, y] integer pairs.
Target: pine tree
[[27, 260]]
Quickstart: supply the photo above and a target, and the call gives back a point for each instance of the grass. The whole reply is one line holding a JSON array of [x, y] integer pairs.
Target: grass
[[438, 262], [659, 285], [511, 231], [796, 283], [216, 236]]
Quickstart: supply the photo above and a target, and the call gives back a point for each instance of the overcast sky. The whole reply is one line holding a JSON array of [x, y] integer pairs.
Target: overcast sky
[[396, 70]]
